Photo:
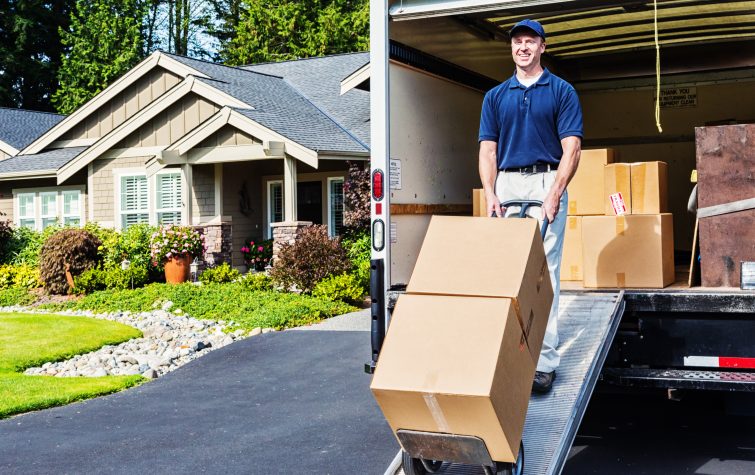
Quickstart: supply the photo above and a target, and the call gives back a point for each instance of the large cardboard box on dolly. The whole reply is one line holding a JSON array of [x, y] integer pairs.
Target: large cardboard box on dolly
[[571, 257], [586, 188], [488, 257], [456, 365], [635, 251]]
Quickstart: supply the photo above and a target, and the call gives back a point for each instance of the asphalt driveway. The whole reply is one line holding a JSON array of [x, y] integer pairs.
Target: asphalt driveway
[[285, 402]]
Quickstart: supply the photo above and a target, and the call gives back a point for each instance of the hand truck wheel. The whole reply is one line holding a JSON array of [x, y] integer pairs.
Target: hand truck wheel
[[516, 468], [415, 466]]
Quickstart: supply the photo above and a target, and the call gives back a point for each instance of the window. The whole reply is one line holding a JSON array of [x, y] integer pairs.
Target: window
[[71, 207], [43, 207], [274, 204], [26, 212], [134, 207], [168, 191], [335, 206], [49, 200]]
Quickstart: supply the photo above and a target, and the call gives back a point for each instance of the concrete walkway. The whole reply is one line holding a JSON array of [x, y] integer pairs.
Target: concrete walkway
[[284, 402]]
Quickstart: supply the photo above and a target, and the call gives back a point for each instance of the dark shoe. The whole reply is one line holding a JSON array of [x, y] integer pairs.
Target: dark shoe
[[543, 382]]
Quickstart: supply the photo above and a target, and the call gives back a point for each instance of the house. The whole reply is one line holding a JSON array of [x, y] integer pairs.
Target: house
[[230, 150], [19, 128]]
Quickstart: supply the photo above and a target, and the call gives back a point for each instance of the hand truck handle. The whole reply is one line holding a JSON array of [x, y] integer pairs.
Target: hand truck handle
[[524, 205]]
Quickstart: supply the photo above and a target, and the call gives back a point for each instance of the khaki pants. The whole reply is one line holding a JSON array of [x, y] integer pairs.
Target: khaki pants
[[512, 186]]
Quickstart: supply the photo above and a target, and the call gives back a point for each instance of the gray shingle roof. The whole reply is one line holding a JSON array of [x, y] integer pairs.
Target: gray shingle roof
[[316, 122], [50, 160], [319, 79], [19, 127]]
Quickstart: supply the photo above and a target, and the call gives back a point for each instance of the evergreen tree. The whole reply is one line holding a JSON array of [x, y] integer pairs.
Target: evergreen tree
[[30, 50], [105, 39], [277, 30]]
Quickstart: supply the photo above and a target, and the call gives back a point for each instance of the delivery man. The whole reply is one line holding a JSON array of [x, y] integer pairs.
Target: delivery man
[[530, 141]]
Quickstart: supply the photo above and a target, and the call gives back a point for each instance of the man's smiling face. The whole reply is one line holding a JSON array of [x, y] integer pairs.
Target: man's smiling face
[[526, 48]]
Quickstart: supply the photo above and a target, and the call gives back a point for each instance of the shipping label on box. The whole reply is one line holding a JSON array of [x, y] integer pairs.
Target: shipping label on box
[[571, 257], [586, 187], [617, 181], [634, 251], [456, 365]]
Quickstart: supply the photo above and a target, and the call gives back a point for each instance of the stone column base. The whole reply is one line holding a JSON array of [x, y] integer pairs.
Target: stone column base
[[286, 232]]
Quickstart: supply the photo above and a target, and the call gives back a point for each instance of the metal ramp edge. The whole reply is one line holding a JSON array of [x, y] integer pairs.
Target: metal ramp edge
[[587, 325]]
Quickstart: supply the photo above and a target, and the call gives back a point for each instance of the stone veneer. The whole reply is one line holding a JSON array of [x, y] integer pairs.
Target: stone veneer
[[219, 241], [286, 232]]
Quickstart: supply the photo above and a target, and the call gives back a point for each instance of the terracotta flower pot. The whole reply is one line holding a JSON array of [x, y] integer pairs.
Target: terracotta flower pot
[[177, 269]]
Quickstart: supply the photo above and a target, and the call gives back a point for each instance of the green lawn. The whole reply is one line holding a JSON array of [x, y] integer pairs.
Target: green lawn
[[30, 340]]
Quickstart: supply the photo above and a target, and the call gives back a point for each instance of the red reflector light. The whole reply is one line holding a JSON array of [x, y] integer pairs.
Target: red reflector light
[[378, 209], [377, 185]]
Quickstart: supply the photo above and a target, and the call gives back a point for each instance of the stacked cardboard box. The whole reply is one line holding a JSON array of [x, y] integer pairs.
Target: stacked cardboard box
[[464, 340], [626, 239]]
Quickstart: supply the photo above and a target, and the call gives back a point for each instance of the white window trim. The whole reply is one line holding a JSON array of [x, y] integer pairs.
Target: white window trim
[[331, 230], [181, 199], [268, 206], [63, 215], [38, 203], [152, 211]]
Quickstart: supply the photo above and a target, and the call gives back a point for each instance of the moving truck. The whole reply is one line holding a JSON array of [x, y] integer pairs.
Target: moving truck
[[431, 64]]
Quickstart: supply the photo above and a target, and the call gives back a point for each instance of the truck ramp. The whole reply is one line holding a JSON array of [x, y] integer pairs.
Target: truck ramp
[[587, 325]]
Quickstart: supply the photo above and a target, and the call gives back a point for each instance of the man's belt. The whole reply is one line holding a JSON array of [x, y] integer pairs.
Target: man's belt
[[536, 168]]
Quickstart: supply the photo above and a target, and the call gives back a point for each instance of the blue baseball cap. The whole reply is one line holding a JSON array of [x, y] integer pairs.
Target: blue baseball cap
[[528, 24]]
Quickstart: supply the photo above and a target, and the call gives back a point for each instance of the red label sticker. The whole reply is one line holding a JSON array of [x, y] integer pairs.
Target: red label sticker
[[617, 201]]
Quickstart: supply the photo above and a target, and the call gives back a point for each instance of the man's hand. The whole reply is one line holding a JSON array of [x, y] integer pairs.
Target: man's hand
[[551, 205], [494, 206]]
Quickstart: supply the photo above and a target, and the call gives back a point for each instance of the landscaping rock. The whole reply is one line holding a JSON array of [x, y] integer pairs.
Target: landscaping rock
[[150, 374]]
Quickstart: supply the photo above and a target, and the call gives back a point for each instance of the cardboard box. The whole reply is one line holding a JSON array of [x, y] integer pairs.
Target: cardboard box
[[586, 188], [488, 257], [649, 188], [571, 257], [456, 365], [635, 251], [617, 178], [479, 205]]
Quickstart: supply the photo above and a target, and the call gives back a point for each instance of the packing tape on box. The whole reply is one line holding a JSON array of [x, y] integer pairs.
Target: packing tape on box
[[621, 279], [572, 207], [621, 225], [572, 220], [436, 412], [574, 272], [639, 172]]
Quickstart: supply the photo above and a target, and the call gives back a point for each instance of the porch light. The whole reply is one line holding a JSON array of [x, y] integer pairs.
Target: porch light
[[378, 234]]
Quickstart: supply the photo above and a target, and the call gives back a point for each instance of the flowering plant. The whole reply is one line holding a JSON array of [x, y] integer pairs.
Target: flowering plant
[[258, 255], [175, 241]]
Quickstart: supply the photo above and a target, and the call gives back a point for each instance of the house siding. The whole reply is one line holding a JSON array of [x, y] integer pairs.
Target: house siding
[[171, 124], [228, 135], [103, 183], [203, 199], [124, 105]]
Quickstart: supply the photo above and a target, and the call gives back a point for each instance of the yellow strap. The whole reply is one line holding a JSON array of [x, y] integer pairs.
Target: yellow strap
[[657, 69]]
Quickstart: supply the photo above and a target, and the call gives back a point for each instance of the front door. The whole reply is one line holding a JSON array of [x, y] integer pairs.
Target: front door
[[309, 201]]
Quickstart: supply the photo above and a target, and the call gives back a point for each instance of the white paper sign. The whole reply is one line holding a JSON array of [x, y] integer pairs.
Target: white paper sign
[[395, 174], [394, 233]]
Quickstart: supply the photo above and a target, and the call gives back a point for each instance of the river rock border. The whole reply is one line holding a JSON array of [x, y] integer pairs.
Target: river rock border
[[169, 341]]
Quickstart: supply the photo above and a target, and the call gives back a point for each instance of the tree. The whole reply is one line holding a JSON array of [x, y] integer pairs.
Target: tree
[[276, 30], [182, 27], [31, 51], [105, 40]]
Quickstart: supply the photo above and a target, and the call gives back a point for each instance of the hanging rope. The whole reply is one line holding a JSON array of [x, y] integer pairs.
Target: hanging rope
[[657, 69]]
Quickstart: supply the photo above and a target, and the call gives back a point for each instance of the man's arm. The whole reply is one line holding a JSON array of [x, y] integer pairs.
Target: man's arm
[[572, 147], [488, 171]]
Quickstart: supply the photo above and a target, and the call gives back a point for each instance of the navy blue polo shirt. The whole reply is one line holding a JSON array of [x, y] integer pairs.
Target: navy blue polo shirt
[[528, 123]]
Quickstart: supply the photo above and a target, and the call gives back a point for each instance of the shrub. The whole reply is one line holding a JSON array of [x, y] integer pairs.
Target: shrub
[[132, 244], [91, 280], [15, 296], [344, 287], [359, 248], [21, 276], [6, 236], [257, 281], [310, 259], [75, 249], [356, 197], [258, 255], [170, 241], [25, 245], [222, 274], [114, 278]]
